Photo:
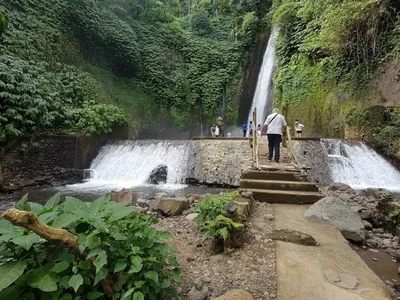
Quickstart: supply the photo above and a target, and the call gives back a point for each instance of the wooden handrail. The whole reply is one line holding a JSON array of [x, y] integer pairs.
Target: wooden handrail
[[290, 147]]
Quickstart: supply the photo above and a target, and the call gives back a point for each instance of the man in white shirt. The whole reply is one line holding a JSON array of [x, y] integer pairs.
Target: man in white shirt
[[275, 125]]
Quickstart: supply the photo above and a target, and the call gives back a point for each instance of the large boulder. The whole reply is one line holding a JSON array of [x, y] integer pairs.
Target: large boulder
[[236, 295], [173, 206], [124, 196], [158, 175], [333, 211]]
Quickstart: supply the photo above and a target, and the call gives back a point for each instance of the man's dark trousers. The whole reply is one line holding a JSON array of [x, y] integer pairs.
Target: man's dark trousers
[[274, 144]]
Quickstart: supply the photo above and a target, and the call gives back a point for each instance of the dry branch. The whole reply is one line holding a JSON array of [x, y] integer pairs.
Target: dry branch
[[30, 221]]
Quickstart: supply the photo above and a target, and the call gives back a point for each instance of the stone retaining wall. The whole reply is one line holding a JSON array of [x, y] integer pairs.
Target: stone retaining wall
[[220, 162], [57, 160], [312, 154]]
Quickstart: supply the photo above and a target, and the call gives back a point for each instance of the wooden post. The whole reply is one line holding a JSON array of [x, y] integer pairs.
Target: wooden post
[[1, 177], [255, 138], [285, 113]]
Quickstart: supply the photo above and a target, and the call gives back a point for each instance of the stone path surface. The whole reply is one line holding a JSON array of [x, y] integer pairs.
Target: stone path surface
[[330, 271]]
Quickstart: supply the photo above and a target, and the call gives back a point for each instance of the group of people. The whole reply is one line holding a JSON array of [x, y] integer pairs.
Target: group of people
[[275, 126], [214, 131]]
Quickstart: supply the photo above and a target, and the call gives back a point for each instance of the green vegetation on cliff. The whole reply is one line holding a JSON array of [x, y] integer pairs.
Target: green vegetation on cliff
[[329, 52], [178, 61]]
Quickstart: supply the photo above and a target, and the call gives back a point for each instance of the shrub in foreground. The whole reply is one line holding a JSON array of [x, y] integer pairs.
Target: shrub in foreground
[[107, 250]]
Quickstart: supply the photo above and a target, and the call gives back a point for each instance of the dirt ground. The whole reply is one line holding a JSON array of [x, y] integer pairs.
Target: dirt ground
[[251, 268]]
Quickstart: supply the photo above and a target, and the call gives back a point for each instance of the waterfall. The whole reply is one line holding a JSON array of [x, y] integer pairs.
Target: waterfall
[[126, 164], [356, 164], [262, 99]]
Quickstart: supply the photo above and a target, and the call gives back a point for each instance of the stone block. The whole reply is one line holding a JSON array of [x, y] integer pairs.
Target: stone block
[[173, 206]]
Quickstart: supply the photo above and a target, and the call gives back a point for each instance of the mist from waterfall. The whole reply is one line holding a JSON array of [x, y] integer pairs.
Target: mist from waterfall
[[263, 95]]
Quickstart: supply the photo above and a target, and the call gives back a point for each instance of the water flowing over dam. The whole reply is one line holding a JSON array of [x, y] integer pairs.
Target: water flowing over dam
[[130, 163], [263, 95], [356, 164]]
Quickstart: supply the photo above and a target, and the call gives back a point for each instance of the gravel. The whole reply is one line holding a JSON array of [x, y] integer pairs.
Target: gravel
[[251, 268]]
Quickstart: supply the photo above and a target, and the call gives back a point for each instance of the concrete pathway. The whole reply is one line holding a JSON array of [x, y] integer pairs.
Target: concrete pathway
[[302, 271]]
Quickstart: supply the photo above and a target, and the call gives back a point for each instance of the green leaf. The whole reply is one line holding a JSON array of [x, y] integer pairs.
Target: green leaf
[[102, 274], [26, 241], [84, 265], [60, 267], [65, 296], [121, 213], [10, 236], [94, 295], [76, 207], [120, 265], [127, 294], [176, 275], [64, 220], [165, 284], [138, 296], [6, 227], [12, 292], [165, 235], [97, 205], [75, 282], [136, 264], [100, 261], [139, 284], [36, 208], [64, 282], [53, 201], [153, 275], [48, 217], [21, 204], [43, 279], [10, 272]]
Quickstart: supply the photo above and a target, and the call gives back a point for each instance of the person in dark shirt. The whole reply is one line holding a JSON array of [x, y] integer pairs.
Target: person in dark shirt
[[244, 128]]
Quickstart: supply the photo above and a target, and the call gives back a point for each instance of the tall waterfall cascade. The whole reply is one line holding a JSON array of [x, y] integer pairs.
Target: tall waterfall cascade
[[130, 163], [356, 164], [263, 95]]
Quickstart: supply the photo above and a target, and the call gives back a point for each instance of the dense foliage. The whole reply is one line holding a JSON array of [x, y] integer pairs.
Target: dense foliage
[[328, 52], [384, 134], [115, 243], [172, 59], [215, 224], [36, 99]]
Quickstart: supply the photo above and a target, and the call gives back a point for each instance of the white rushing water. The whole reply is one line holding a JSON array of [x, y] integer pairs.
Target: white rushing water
[[356, 164], [126, 164], [262, 99]]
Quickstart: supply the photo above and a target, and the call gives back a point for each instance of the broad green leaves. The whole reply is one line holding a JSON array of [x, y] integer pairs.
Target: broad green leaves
[[10, 272], [26, 241], [60, 267], [53, 201], [44, 279], [75, 282], [114, 242], [63, 220], [100, 261]]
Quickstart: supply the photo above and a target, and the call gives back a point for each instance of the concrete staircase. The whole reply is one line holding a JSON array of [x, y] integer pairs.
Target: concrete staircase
[[279, 187]]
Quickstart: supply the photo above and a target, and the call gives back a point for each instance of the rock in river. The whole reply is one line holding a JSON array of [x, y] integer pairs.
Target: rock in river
[[158, 175]]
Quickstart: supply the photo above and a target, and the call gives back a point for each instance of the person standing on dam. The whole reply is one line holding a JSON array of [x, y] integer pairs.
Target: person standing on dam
[[275, 125]]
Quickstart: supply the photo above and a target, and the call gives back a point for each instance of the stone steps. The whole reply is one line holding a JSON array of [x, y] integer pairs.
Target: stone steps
[[278, 185], [272, 175], [281, 196]]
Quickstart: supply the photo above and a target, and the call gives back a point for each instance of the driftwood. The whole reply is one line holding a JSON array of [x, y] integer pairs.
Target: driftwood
[[30, 221]]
